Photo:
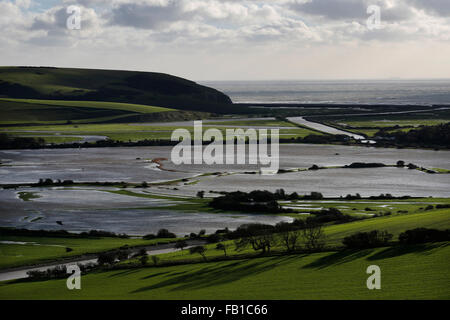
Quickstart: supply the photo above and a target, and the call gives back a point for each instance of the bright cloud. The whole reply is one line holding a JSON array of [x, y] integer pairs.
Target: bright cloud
[[231, 35]]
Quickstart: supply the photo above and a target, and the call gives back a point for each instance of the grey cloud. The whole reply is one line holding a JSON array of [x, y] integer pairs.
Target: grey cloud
[[435, 7], [339, 9], [53, 38], [351, 9], [54, 20], [145, 16]]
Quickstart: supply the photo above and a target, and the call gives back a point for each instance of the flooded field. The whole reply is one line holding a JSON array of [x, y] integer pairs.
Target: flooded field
[[132, 164], [337, 182], [81, 209]]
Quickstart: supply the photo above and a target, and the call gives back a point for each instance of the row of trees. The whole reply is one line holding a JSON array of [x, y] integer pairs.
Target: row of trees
[[258, 200], [313, 239], [427, 136], [263, 239], [10, 142], [377, 238], [7, 231], [161, 234]]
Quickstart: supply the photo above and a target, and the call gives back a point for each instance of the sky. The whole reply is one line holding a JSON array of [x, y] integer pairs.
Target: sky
[[233, 40]]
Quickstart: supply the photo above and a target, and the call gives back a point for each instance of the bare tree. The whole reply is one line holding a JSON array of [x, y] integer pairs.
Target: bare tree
[[223, 247], [201, 250], [155, 260], [144, 259], [313, 235], [290, 239], [263, 242], [181, 244]]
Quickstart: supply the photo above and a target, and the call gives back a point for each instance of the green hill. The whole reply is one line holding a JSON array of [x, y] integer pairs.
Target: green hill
[[144, 88], [413, 272], [34, 111]]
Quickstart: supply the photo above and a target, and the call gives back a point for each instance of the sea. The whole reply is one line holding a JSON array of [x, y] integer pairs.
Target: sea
[[393, 92]]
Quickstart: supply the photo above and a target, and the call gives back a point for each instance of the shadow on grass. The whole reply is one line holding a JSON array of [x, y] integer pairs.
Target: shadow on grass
[[391, 252], [339, 257], [123, 273], [155, 275], [212, 274], [372, 254]]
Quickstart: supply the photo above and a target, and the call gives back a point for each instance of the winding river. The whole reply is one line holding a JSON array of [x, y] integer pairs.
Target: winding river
[[324, 128]]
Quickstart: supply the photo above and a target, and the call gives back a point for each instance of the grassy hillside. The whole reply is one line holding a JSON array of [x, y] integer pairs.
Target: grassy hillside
[[45, 249], [38, 112], [54, 248], [438, 219], [413, 272], [147, 88], [407, 272], [119, 131], [23, 111]]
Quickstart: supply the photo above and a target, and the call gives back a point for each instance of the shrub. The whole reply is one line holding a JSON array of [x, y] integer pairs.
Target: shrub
[[223, 247], [313, 196], [164, 233], [181, 244], [353, 197], [371, 239], [365, 165], [201, 250], [423, 235], [201, 194], [329, 215], [400, 163], [122, 255], [106, 258], [412, 166], [155, 260], [213, 238], [144, 260]]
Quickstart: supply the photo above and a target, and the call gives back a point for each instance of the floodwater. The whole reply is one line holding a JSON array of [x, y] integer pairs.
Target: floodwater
[[81, 209], [132, 164], [337, 182]]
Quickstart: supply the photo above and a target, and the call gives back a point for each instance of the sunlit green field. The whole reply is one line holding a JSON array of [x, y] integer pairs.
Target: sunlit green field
[[93, 104], [371, 127], [438, 219], [366, 207], [415, 272], [249, 122], [32, 111], [391, 123], [55, 248], [46, 249], [408, 272], [358, 208], [128, 132]]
